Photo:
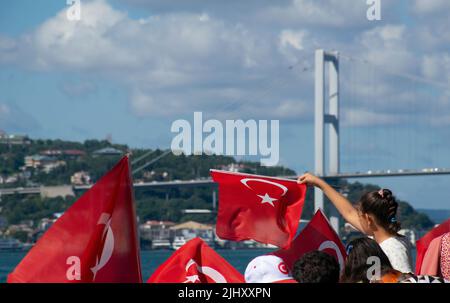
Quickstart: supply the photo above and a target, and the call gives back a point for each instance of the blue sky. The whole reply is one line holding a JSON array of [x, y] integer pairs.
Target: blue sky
[[129, 68]]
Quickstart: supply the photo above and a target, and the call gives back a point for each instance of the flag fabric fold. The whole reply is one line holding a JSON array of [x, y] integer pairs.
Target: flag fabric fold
[[196, 262], [264, 209], [95, 240], [423, 243], [318, 234]]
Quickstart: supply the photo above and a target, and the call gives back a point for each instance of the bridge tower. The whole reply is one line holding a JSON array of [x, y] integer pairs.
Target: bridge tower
[[322, 118]]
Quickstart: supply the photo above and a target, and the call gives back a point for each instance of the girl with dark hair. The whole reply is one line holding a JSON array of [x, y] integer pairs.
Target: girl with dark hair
[[375, 216], [356, 265], [358, 269]]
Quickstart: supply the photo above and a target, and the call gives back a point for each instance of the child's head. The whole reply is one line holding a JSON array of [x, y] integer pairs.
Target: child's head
[[316, 267], [357, 265], [378, 209]]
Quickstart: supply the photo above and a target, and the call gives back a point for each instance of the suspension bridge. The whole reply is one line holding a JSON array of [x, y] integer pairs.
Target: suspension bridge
[[361, 85]]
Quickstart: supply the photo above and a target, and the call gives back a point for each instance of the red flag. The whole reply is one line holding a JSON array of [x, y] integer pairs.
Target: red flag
[[264, 209], [94, 241], [317, 235], [196, 262], [423, 243]]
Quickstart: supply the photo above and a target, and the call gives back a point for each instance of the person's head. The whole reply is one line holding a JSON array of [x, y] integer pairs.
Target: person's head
[[378, 210], [356, 265], [316, 267], [267, 269]]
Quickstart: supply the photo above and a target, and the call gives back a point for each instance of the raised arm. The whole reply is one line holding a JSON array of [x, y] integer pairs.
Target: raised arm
[[344, 206]]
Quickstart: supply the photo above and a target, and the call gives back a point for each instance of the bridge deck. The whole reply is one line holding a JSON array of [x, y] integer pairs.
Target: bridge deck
[[209, 182]]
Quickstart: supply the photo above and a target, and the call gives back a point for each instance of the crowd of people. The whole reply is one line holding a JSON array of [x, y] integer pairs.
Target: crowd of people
[[381, 256]]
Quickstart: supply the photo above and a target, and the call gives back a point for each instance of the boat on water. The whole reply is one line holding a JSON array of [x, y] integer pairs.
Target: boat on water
[[178, 241], [12, 245], [161, 244]]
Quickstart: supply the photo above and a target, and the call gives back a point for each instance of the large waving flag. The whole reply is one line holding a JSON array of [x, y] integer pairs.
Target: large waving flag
[[196, 262], [423, 243], [264, 209], [94, 241], [317, 235]]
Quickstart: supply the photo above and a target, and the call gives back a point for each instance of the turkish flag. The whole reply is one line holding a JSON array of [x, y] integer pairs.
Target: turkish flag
[[196, 262], [317, 235], [423, 243], [264, 209], [94, 241]]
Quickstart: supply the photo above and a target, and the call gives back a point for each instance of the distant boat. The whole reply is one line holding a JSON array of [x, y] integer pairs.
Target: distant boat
[[12, 245], [161, 244], [178, 242]]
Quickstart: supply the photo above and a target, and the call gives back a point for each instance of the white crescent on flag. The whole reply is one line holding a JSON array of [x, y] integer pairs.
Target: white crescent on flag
[[265, 198], [213, 274], [332, 245], [108, 246]]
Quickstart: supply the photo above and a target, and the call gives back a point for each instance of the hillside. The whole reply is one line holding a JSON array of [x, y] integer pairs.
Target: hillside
[[437, 215], [151, 204]]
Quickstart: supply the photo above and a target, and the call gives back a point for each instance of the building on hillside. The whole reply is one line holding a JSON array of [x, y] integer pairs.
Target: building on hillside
[[108, 151], [80, 178], [46, 163], [38, 161], [45, 224], [16, 229], [74, 153], [57, 191], [48, 167], [409, 234], [156, 234], [13, 139], [51, 152], [233, 167], [186, 231], [11, 179], [3, 221]]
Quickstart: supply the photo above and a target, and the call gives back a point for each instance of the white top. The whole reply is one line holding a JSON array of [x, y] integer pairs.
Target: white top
[[398, 250], [266, 269]]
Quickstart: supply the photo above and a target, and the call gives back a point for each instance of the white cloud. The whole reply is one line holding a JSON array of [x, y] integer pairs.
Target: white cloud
[[4, 111], [156, 55], [290, 38], [387, 46], [329, 13], [78, 89], [363, 117], [431, 6], [437, 66], [177, 61], [14, 119]]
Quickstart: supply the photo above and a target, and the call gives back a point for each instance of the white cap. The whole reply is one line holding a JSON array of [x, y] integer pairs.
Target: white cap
[[266, 269]]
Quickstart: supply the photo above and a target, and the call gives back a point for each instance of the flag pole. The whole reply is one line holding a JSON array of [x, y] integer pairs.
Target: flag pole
[[133, 206]]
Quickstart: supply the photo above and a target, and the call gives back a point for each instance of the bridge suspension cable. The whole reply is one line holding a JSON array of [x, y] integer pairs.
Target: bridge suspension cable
[[151, 162], [391, 120]]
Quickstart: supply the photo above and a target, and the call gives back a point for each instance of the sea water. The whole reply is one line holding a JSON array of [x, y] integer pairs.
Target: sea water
[[150, 260]]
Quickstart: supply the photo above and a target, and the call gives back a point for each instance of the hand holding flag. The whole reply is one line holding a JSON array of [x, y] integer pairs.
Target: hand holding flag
[[264, 209]]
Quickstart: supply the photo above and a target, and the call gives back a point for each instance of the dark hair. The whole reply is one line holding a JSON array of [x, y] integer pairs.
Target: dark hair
[[383, 206], [359, 250], [316, 267]]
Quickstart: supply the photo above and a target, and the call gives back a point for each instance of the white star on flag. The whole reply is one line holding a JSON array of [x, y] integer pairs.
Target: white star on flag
[[192, 279], [267, 199]]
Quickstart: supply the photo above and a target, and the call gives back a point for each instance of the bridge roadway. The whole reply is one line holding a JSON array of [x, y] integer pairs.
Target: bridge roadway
[[209, 182]]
